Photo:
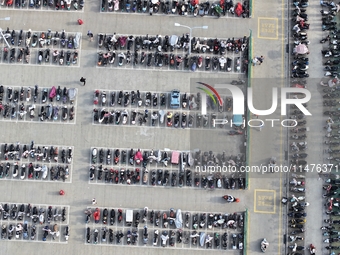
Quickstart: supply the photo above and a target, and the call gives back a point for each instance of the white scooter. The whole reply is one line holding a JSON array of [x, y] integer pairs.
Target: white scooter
[[164, 238]]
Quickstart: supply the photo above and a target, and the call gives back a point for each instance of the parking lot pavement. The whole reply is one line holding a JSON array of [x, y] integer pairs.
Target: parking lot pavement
[[83, 134], [265, 206]]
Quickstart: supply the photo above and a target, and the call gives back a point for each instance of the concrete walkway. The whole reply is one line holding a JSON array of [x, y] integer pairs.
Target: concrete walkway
[[266, 212], [265, 144]]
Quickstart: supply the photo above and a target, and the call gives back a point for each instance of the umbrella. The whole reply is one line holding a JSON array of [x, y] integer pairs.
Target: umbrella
[[301, 49]]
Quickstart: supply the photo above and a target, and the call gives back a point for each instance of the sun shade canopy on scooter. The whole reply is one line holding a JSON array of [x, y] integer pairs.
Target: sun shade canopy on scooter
[[76, 40], [301, 49], [175, 157], [173, 40], [72, 94], [237, 120]]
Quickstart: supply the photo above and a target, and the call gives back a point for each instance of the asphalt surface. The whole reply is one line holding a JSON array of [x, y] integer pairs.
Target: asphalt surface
[[262, 199]]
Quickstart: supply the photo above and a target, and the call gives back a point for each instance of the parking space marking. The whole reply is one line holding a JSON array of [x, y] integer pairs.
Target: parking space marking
[[180, 51], [40, 9], [120, 12], [264, 201], [60, 223], [169, 69], [267, 28], [171, 168], [33, 59], [38, 104], [151, 227], [224, 115], [38, 122], [28, 160], [29, 64]]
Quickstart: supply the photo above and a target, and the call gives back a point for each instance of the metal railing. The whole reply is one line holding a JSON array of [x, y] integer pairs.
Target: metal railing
[[250, 53], [245, 233], [250, 8]]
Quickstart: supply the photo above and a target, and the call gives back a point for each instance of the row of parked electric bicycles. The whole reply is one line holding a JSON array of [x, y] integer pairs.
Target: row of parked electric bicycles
[[33, 171], [165, 44], [132, 168], [166, 219], [30, 232], [168, 228], [44, 5], [329, 85], [178, 7], [56, 104], [15, 95], [164, 238], [165, 178], [157, 119], [41, 57], [296, 202], [151, 51], [165, 100], [34, 213], [36, 153], [296, 212], [146, 158], [298, 134], [331, 231], [28, 219], [171, 61], [298, 156], [35, 162], [36, 39], [53, 44]]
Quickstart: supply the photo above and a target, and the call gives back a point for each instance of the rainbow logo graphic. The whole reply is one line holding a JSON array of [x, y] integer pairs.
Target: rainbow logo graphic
[[210, 91]]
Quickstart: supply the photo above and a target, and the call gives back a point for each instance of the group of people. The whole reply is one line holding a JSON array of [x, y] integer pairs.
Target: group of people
[[258, 60]]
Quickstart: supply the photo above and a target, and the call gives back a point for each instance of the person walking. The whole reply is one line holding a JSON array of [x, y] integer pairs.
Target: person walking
[[260, 59], [82, 79], [90, 35], [94, 201]]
